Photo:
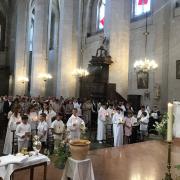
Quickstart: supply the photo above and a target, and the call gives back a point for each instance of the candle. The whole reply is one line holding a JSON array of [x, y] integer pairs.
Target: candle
[[170, 122]]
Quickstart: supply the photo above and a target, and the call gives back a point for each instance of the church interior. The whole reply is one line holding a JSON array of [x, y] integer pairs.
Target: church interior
[[89, 89]]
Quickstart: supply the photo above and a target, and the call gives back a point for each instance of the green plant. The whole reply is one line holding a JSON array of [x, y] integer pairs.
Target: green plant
[[61, 155], [161, 127]]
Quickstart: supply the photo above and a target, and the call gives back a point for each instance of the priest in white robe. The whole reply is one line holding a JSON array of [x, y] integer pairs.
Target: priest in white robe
[[118, 121], [74, 125], [102, 118], [14, 120]]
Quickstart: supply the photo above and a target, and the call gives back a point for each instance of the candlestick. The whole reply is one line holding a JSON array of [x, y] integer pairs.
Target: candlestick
[[168, 174], [170, 122]]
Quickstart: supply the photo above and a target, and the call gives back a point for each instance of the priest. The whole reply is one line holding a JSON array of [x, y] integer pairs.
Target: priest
[[74, 125]]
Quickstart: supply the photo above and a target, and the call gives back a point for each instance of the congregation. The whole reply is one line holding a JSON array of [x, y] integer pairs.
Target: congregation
[[28, 116]]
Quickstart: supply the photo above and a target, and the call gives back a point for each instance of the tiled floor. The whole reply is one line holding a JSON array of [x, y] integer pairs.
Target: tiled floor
[[140, 161]]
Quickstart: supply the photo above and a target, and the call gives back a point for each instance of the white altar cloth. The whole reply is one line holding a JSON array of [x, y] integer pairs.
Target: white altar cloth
[[7, 170], [78, 170]]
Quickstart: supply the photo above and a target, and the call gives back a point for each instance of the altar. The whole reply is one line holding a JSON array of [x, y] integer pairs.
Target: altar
[[176, 125], [11, 163]]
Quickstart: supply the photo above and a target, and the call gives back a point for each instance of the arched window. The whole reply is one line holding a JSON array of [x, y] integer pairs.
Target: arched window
[[31, 33], [101, 14], [140, 7]]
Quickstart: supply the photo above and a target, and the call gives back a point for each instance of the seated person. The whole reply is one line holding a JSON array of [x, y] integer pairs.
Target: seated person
[[23, 132]]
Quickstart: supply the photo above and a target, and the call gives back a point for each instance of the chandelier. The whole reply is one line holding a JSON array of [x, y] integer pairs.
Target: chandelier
[[146, 64], [80, 72]]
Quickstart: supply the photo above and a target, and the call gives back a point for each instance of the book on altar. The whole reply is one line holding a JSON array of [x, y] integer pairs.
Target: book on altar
[[11, 159]]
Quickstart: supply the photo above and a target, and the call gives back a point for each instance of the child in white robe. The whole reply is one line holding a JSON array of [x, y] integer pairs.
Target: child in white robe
[[118, 127], [58, 129], [42, 131], [23, 132], [102, 117], [74, 125], [144, 125]]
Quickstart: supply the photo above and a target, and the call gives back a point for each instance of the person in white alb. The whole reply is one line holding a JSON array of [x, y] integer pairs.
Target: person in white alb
[[143, 109], [144, 125], [47, 109], [102, 117], [118, 127], [23, 132], [42, 130], [58, 129], [14, 120], [74, 124]]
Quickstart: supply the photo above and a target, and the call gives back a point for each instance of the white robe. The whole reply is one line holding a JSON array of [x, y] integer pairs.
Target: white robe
[[75, 131], [49, 115], [118, 129], [12, 124], [101, 130], [78, 107], [21, 131]]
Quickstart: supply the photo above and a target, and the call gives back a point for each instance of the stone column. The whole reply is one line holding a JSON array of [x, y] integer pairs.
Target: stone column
[[40, 43], [117, 24], [20, 66], [67, 60]]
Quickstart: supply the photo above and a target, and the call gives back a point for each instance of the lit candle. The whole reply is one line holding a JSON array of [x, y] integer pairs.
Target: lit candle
[[170, 122]]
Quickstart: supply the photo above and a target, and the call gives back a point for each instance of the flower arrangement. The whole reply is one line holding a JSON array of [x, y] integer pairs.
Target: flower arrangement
[[62, 153], [161, 127]]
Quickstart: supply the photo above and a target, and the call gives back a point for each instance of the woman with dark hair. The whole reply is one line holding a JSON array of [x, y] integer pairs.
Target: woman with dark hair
[[14, 120]]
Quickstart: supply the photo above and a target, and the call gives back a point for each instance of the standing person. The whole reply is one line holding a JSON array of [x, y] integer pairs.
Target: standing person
[[128, 127], [68, 109], [144, 125], [6, 106], [74, 125], [86, 108], [94, 114], [1, 104], [33, 118], [102, 116], [43, 131], [77, 105], [154, 117], [58, 129], [110, 112], [118, 127], [23, 132], [14, 120], [143, 109]]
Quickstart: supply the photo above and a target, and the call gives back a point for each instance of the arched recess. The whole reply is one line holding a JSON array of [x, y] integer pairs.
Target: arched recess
[[30, 35], [92, 17], [53, 42]]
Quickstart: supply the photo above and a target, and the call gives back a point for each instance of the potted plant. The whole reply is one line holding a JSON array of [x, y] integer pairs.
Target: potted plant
[[161, 127]]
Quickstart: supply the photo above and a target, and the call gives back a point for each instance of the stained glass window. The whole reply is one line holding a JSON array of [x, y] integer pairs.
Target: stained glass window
[[101, 14], [140, 7]]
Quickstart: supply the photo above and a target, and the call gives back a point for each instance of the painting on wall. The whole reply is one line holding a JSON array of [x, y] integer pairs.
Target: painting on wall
[[178, 69], [142, 80]]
